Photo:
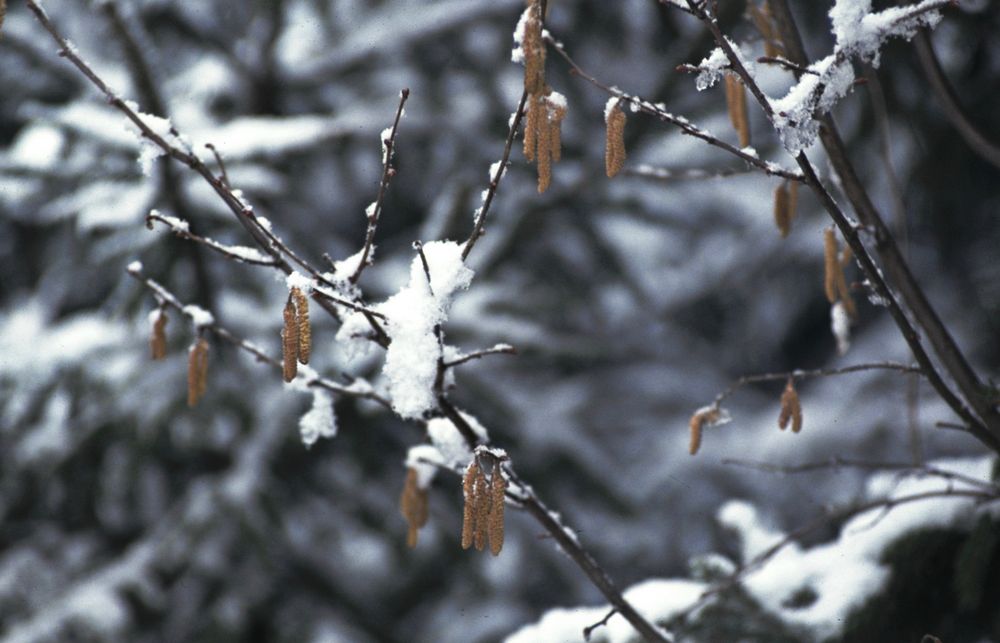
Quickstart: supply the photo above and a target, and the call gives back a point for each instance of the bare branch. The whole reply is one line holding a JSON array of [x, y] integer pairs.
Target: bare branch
[[389, 146], [241, 254], [499, 349], [359, 389], [819, 372], [659, 112]]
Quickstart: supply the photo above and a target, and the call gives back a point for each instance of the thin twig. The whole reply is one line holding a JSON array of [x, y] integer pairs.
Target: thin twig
[[684, 124], [499, 349], [183, 232], [819, 372], [388, 172], [167, 298], [587, 631]]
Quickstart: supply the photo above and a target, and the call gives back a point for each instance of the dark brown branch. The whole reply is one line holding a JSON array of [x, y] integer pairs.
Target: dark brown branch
[[952, 357], [587, 631], [987, 425], [387, 173], [684, 124]]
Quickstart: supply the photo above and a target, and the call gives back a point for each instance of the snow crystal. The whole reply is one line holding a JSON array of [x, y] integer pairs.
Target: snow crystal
[[840, 324], [411, 360], [370, 210], [384, 138], [245, 253], [495, 168], [199, 316], [711, 69], [320, 421], [425, 460]]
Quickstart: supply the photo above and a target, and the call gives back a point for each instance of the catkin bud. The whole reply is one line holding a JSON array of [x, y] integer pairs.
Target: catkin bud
[[469, 508], [158, 340], [831, 267], [782, 211], [498, 489], [197, 371], [791, 409], [413, 504], [302, 319], [290, 342], [614, 144], [736, 101]]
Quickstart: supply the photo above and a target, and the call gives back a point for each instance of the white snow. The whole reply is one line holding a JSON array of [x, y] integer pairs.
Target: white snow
[[135, 266], [296, 279], [174, 223], [199, 316], [517, 54], [449, 442], [148, 150], [425, 460], [840, 324], [320, 421], [411, 360]]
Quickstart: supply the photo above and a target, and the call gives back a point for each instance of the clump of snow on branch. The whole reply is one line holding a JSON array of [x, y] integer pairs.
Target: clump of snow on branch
[[148, 150], [411, 315], [320, 421], [199, 316], [449, 442], [860, 33], [711, 69], [517, 54]]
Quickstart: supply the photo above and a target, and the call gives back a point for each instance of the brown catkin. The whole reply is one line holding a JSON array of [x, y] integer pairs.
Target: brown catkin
[[302, 319], [468, 510], [793, 198], [831, 267], [498, 489], [556, 115], [782, 213], [290, 342], [3, 12], [614, 143], [765, 25], [736, 101], [481, 509], [158, 340], [696, 425], [413, 504], [543, 154], [534, 50], [791, 408], [534, 109], [197, 370]]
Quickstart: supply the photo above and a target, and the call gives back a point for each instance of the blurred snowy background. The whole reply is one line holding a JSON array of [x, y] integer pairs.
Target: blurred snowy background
[[125, 515]]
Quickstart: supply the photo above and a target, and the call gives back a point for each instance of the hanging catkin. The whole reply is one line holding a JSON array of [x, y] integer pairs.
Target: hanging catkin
[[830, 265], [498, 489], [534, 50], [782, 210], [158, 340], [413, 503], [614, 143], [197, 370], [290, 342], [469, 507], [791, 409], [736, 101], [302, 321]]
